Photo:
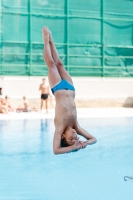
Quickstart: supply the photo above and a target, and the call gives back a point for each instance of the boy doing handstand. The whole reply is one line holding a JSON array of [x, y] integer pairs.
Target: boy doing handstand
[[66, 124]]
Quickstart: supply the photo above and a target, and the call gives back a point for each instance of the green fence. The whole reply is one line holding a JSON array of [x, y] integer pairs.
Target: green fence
[[94, 38]]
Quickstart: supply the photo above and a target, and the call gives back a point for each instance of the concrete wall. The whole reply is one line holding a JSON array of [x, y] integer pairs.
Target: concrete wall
[[90, 92]]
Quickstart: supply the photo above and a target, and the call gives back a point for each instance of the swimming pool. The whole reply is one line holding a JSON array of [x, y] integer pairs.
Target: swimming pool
[[30, 171]]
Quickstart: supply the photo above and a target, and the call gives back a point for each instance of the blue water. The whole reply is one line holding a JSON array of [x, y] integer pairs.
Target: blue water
[[30, 171]]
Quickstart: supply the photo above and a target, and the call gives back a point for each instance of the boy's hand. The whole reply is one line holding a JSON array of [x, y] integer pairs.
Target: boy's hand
[[79, 145], [83, 144], [91, 141]]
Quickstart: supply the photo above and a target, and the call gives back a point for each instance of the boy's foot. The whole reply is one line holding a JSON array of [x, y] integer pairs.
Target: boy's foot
[[50, 36], [45, 33]]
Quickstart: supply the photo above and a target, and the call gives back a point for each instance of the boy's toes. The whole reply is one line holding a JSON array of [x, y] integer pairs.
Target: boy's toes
[[45, 31]]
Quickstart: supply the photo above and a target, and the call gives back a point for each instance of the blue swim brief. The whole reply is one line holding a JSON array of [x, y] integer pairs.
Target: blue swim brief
[[63, 85]]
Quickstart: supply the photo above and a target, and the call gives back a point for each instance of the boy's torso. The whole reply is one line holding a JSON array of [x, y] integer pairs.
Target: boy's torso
[[65, 111]]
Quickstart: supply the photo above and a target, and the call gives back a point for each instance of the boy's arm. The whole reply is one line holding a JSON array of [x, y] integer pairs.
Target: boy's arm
[[90, 139], [58, 150]]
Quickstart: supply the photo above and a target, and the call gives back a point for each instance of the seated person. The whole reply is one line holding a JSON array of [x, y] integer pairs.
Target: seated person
[[8, 103], [3, 106], [25, 106]]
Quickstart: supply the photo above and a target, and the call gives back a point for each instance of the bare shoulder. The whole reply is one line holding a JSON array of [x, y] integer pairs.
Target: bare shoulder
[[77, 127], [59, 130], [76, 124]]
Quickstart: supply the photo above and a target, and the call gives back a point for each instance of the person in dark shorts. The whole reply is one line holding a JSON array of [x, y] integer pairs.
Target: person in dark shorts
[[45, 92], [44, 96]]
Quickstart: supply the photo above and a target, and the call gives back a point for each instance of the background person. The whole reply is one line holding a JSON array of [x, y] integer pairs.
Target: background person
[[8, 103], [3, 106], [45, 94], [0, 91], [25, 107]]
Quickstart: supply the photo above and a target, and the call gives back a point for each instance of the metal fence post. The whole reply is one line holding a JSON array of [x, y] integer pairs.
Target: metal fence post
[[30, 39], [67, 34], [102, 34], [1, 37]]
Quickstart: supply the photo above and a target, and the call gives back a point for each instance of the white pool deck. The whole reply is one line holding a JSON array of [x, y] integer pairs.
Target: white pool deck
[[82, 113]]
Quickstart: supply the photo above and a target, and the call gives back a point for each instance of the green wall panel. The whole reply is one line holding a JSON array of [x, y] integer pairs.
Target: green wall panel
[[93, 38]]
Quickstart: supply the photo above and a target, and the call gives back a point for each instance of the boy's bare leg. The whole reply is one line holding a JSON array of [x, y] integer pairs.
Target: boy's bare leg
[[53, 74], [62, 71]]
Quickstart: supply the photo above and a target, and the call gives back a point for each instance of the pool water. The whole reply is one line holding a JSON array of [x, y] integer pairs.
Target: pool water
[[30, 171]]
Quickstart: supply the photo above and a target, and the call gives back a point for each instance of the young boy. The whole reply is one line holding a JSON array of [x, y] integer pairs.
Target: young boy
[[66, 124]]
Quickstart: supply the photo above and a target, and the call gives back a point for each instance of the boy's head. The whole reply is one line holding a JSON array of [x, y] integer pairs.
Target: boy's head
[[69, 137]]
